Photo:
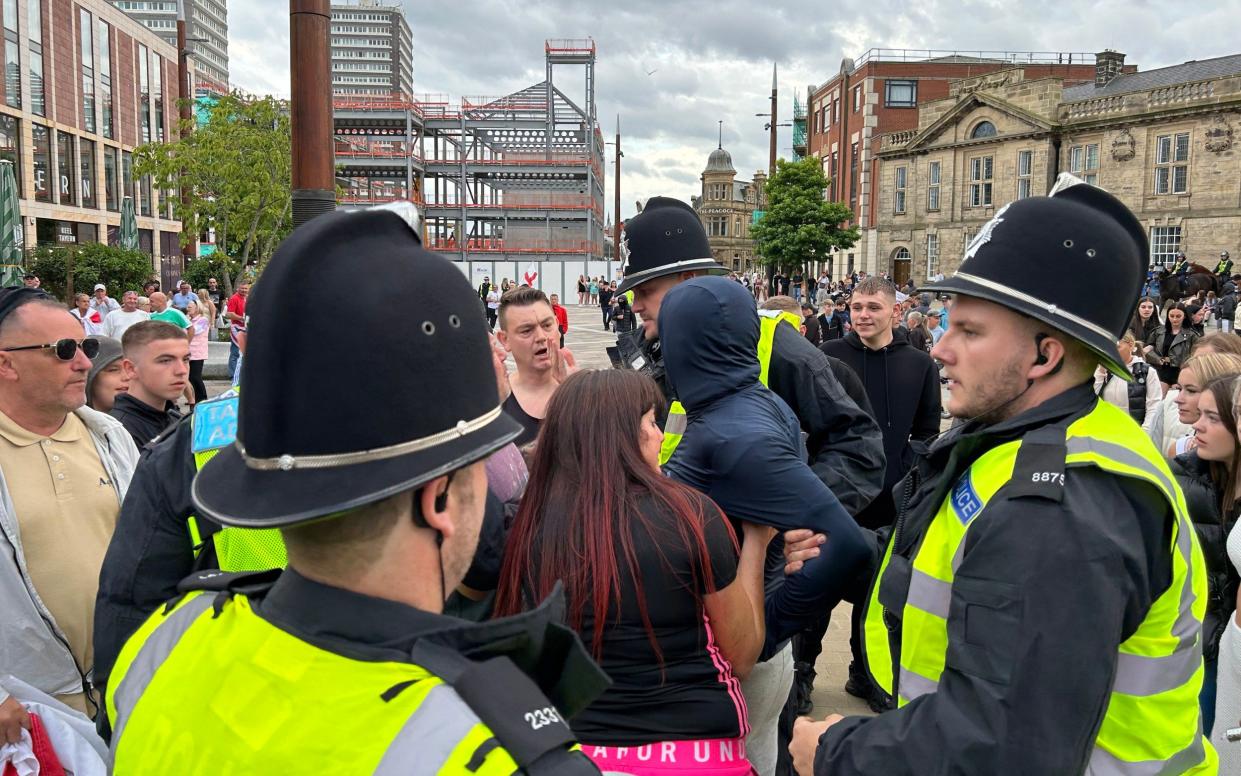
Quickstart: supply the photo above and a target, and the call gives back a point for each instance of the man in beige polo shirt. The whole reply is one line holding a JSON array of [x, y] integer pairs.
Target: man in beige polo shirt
[[64, 469]]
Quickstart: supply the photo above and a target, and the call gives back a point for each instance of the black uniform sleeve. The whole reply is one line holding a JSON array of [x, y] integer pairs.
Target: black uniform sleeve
[[844, 443], [927, 418], [1044, 594], [150, 551]]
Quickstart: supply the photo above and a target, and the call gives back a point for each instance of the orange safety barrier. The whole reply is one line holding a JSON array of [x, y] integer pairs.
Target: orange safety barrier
[[500, 245]]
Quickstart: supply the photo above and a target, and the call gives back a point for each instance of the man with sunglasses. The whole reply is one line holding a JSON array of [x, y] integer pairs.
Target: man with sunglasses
[[64, 470]]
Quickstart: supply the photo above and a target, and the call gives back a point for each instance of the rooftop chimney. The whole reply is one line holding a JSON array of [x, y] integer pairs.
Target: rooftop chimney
[[1107, 65]]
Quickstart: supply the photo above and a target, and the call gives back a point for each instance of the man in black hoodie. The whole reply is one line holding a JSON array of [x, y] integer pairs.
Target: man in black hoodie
[[902, 384]]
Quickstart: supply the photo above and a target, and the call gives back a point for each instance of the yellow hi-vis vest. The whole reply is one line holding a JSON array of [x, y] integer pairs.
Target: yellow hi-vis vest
[[213, 426], [196, 691], [674, 428], [1152, 720]]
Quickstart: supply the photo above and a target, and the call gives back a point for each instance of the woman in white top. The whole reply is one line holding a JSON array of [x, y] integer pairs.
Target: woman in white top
[[1141, 397], [90, 318]]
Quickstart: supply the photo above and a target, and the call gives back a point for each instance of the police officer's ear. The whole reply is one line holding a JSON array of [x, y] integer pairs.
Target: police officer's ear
[[1050, 355], [430, 506]]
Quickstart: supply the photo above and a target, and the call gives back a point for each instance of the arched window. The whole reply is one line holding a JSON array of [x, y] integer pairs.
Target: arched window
[[902, 254], [983, 129]]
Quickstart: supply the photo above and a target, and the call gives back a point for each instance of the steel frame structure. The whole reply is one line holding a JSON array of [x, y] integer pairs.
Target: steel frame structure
[[512, 178]]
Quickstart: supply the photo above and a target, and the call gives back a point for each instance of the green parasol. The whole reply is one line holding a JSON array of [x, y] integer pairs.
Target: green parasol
[[129, 225], [11, 238]]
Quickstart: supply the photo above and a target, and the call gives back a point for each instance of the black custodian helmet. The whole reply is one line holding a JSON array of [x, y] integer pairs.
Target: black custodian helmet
[[1074, 260], [665, 238]]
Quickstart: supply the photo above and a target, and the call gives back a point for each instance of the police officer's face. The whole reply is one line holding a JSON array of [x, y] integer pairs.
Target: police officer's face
[[986, 353], [647, 299]]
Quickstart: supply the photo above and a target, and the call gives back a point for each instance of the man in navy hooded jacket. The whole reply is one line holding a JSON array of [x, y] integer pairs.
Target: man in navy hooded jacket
[[743, 448]]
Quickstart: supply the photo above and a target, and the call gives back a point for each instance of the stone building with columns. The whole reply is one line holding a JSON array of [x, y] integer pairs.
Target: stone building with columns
[[1164, 141], [726, 207]]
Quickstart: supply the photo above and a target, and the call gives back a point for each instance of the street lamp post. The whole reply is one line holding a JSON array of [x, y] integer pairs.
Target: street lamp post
[[310, 109], [185, 112]]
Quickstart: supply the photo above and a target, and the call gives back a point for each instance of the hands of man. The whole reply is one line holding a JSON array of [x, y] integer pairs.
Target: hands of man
[[498, 358], [762, 534], [13, 718], [805, 743], [800, 545], [566, 364]]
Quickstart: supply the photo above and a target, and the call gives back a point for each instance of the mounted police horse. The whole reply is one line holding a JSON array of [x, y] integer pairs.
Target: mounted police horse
[[1173, 288]]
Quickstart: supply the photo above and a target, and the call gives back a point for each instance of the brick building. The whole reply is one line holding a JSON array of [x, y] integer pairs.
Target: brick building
[[83, 85], [881, 92], [726, 207], [1164, 141]]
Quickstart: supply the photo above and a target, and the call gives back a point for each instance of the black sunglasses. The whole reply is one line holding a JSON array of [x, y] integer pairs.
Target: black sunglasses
[[65, 348]]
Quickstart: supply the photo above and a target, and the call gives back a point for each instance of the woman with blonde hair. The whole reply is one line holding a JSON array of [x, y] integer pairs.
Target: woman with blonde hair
[[1163, 425], [1194, 376]]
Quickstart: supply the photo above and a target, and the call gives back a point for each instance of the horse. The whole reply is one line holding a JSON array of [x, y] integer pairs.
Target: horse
[[1173, 288]]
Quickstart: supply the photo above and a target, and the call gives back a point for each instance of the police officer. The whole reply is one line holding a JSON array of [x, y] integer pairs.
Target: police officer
[[666, 244], [364, 446], [1180, 268], [1223, 269], [1039, 605]]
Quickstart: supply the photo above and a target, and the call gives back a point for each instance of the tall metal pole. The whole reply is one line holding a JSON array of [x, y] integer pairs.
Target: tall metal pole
[[186, 113], [616, 216], [310, 109], [771, 165]]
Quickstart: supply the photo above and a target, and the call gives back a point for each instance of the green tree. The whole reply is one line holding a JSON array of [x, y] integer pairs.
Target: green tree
[[215, 266], [237, 168], [118, 269], [799, 225]]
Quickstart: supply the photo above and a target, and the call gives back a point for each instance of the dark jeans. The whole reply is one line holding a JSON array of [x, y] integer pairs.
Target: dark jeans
[[491, 317], [1206, 699], [234, 353], [196, 380], [607, 316]]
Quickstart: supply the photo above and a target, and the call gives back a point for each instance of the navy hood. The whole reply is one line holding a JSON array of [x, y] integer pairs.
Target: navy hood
[[708, 330]]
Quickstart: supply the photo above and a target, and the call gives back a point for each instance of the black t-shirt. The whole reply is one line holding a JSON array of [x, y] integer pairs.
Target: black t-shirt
[[605, 296], [529, 425], [693, 693]]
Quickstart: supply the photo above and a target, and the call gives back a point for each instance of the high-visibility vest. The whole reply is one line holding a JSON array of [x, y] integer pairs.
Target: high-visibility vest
[[1152, 715], [209, 687], [674, 428], [214, 426]]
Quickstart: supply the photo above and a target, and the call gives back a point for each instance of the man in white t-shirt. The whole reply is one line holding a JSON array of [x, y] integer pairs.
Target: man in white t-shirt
[[118, 321]]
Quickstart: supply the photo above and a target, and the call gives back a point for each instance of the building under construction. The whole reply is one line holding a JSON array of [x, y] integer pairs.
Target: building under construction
[[515, 179]]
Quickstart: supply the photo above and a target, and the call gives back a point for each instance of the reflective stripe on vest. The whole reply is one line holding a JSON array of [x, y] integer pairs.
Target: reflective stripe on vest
[[198, 692], [236, 549], [674, 427], [1152, 721]]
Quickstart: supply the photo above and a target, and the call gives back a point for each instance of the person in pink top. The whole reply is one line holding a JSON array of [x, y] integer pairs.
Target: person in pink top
[[200, 325]]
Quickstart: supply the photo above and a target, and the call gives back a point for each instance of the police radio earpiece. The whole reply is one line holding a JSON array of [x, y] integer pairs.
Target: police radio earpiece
[[441, 501], [1040, 357]]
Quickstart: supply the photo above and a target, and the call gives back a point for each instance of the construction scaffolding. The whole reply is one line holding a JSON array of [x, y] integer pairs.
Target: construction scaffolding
[[512, 178], [799, 129]]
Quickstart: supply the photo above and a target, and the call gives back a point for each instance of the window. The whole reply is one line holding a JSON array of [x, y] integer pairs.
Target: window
[[86, 38], [144, 203], [835, 186], [932, 255], [86, 153], [127, 174], [1165, 242], [1172, 163], [898, 201], [717, 226], [157, 89], [932, 188], [105, 78], [111, 185], [10, 146], [1025, 171], [64, 168], [900, 94], [34, 31], [983, 129], [981, 169], [853, 168], [12, 60], [1084, 162], [857, 98], [41, 154], [144, 93]]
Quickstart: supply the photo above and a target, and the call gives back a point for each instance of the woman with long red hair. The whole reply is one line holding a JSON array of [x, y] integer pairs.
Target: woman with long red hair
[[655, 582]]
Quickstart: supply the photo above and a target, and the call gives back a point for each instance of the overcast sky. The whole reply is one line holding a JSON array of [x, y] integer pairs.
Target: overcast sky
[[673, 68]]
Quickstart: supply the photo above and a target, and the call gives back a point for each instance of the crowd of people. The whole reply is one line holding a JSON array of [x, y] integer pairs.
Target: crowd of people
[[383, 550]]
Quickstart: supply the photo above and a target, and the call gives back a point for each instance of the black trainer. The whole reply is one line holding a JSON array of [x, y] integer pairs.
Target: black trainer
[[859, 685], [803, 686]]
